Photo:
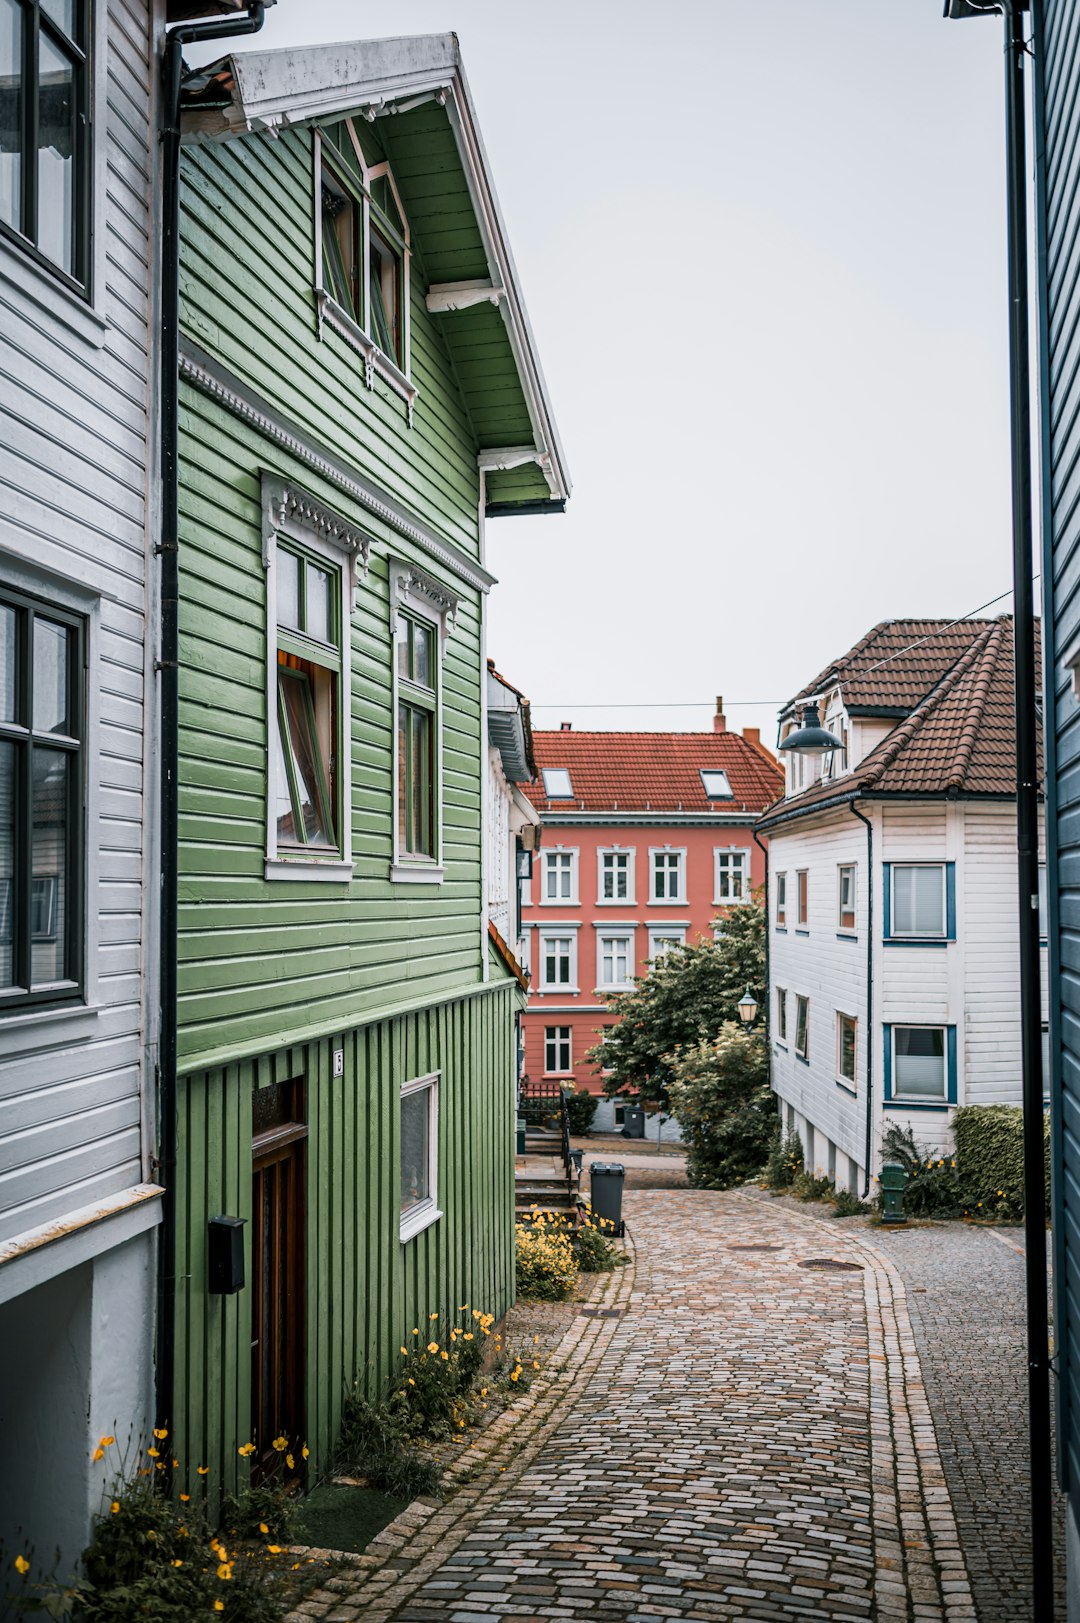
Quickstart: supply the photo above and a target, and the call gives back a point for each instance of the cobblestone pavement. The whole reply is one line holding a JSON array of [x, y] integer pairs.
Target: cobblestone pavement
[[723, 1434], [971, 1343]]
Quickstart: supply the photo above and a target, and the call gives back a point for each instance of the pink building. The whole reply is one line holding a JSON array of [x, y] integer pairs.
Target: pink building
[[647, 838]]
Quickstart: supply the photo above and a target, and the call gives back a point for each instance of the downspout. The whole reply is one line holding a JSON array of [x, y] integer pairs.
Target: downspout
[[169, 553], [768, 984], [869, 993]]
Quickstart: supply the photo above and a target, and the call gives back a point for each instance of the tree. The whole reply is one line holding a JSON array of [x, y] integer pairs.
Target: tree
[[726, 1109], [686, 997]]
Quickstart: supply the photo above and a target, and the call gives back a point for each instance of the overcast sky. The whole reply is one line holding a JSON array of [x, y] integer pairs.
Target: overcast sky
[[762, 248]]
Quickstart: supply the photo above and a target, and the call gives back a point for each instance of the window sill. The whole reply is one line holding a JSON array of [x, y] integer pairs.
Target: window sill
[[328, 873], [846, 935], [615, 901], [419, 1219], [781, 929], [407, 873], [802, 1059], [800, 931], [558, 901], [728, 901], [916, 941], [916, 1104], [778, 1043], [848, 1087], [557, 991], [331, 314], [616, 986], [667, 901]]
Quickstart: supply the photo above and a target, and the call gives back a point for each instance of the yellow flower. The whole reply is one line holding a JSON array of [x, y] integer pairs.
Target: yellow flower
[[178, 1563], [464, 1308], [152, 1451], [405, 1350], [202, 1469], [22, 1565], [219, 1606], [263, 1528], [275, 1549], [515, 1374], [224, 1571], [433, 1346], [445, 1355], [106, 1442], [416, 1332], [290, 1462], [246, 1449], [280, 1444], [411, 1381], [483, 1391], [161, 1432], [115, 1507], [98, 1454], [305, 1451], [468, 1336], [536, 1363]]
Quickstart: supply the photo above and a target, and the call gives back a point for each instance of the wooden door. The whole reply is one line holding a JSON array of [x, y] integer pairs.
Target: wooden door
[[278, 1306]]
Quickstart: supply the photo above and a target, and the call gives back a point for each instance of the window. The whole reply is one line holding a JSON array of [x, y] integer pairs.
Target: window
[[557, 784], [42, 731], [802, 1027], [558, 963], [341, 217], [662, 937], [715, 784], [560, 876], [781, 1015], [417, 717], [846, 1032], [781, 901], [668, 875], [922, 1067], [557, 1049], [1044, 913], [615, 959], [919, 898], [419, 1154], [45, 130], [846, 915], [802, 881], [616, 876], [731, 875], [308, 702]]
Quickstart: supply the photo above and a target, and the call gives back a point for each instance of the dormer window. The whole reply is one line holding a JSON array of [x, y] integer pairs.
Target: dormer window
[[557, 785], [715, 783]]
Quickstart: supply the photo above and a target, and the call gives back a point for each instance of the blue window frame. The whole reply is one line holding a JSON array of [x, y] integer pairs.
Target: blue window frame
[[920, 1066], [919, 903]]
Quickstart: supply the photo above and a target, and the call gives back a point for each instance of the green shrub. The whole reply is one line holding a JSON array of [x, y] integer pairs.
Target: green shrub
[[804, 1186], [726, 1109], [990, 1160], [547, 1269], [593, 1248], [372, 1444], [581, 1108], [933, 1185], [785, 1160], [848, 1205]]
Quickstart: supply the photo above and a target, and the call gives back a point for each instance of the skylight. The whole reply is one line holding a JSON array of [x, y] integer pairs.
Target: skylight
[[716, 784], [557, 784]]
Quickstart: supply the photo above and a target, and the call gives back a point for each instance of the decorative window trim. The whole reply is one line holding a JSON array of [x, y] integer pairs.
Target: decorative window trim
[[612, 932], [574, 853], [289, 511], [556, 933], [427, 1212], [665, 931], [413, 589], [802, 892], [628, 851], [937, 940], [743, 853], [841, 869], [802, 1053], [780, 904], [559, 1070], [904, 1102], [667, 901]]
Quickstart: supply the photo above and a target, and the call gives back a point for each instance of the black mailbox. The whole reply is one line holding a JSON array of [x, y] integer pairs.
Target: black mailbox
[[226, 1255]]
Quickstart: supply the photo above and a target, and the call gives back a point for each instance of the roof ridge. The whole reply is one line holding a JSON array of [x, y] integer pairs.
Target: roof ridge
[[901, 736], [989, 655]]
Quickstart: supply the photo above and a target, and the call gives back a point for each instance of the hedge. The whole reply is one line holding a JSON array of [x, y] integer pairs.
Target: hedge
[[990, 1159]]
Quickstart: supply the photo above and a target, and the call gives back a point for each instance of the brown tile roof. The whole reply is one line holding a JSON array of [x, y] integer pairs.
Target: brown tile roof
[[896, 664], [959, 740], [636, 772]]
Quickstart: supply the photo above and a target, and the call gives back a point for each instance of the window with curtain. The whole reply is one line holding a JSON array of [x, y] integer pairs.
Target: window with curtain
[[919, 1068], [918, 899], [417, 730], [309, 667]]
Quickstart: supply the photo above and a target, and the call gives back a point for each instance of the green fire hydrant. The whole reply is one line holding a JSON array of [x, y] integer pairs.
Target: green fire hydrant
[[893, 1182]]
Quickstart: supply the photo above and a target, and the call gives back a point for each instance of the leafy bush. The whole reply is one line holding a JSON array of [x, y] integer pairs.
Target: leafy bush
[[538, 1112], [933, 1187], [593, 1248], [785, 1159], [547, 1269], [990, 1160], [372, 1443], [581, 1108], [726, 1109], [848, 1205], [805, 1186]]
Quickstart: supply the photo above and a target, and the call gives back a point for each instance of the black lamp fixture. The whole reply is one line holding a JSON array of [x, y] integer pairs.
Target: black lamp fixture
[[747, 1007], [811, 738]]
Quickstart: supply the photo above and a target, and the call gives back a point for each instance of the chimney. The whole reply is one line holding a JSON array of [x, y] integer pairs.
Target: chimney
[[719, 721], [565, 726], [752, 735]]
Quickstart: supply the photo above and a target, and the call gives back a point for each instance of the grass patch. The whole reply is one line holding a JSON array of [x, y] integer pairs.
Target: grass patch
[[339, 1517]]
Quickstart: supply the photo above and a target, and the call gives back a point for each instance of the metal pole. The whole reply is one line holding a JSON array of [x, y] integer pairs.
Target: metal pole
[[1027, 832]]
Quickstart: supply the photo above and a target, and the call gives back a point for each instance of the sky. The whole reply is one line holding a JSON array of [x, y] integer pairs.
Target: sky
[[762, 247]]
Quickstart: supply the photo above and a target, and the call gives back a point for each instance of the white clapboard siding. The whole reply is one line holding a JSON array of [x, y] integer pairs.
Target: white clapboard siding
[[76, 467]]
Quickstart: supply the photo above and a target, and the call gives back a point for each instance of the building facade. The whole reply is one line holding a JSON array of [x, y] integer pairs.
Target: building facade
[[647, 839], [346, 1026], [893, 961]]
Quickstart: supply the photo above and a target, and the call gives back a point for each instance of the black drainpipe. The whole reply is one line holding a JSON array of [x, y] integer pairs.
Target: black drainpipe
[[869, 992], [768, 986], [169, 552]]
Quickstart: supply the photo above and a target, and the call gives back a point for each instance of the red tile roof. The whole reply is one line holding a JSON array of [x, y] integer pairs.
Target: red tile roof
[[661, 772], [960, 740], [896, 664]]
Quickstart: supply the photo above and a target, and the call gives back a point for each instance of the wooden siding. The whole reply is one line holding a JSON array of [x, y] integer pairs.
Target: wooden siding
[[1057, 115], [365, 1290], [75, 466]]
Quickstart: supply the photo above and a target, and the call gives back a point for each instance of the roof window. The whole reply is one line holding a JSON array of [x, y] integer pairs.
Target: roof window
[[557, 784], [715, 784]]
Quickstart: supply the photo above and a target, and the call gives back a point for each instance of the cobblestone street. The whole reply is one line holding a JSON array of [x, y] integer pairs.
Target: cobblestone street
[[727, 1434]]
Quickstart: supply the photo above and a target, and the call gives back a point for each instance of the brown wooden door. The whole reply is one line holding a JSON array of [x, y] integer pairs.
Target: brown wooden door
[[278, 1299]]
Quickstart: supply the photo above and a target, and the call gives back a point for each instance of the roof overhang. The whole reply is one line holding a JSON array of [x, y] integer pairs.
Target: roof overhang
[[270, 91]]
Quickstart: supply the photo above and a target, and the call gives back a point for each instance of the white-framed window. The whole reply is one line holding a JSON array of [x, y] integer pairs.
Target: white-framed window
[[662, 937], [311, 557], [418, 1154], [558, 1050], [834, 764], [919, 1064], [667, 874], [780, 890], [615, 959], [422, 613], [558, 961], [802, 891], [560, 876], [525, 887], [556, 781], [802, 1026], [731, 873], [845, 915], [847, 1031], [615, 876], [918, 903], [362, 256], [781, 1015]]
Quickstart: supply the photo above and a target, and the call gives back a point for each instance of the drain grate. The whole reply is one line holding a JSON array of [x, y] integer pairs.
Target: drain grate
[[602, 1312], [747, 1246], [832, 1263]]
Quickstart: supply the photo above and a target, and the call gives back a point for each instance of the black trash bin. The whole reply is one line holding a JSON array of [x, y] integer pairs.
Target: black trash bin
[[633, 1122], [605, 1194]]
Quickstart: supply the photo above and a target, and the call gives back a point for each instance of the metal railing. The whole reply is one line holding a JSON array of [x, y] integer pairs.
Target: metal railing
[[551, 1094]]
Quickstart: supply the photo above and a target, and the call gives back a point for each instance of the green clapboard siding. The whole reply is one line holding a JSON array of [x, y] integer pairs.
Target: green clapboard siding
[[365, 1291]]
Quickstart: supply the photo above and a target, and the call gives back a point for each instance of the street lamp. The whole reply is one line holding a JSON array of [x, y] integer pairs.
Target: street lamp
[[747, 1007], [811, 738]]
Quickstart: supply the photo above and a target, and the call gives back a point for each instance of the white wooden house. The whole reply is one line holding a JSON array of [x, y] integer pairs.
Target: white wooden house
[[893, 965], [512, 824]]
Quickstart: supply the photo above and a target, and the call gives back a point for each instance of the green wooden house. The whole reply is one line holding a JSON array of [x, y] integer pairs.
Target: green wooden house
[[359, 393]]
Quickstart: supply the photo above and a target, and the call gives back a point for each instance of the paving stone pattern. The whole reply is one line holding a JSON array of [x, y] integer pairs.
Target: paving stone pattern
[[747, 1439]]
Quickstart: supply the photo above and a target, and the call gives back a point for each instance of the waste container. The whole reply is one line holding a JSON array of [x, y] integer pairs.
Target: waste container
[[633, 1122], [521, 1126], [605, 1194], [893, 1183]]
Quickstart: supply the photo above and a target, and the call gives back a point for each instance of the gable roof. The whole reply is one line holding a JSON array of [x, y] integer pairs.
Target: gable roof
[[894, 666], [441, 169], [654, 772], [960, 740]]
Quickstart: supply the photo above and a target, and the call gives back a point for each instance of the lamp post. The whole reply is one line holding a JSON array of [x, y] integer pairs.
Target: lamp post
[[747, 1007]]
